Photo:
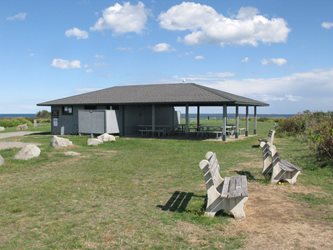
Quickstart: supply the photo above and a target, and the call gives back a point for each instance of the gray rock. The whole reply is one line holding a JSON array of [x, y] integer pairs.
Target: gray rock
[[71, 153], [94, 142], [2, 160], [28, 152], [22, 127], [106, 137], [59, 142], [2, 129]]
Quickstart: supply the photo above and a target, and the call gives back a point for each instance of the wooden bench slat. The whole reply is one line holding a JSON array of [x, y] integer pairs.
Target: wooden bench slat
[[238, 186], [244, 186], [232, 187], [225, 189], [287, 165]]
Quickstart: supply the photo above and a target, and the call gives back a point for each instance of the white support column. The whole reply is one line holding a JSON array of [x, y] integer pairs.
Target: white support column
[[247, 121], [153, 122], [255, 119], [186, 119], [198, 118], [224, 133], [237, 122]]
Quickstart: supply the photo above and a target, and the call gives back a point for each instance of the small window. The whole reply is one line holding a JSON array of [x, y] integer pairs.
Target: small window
[[55, 113], [90, 107], [115, 107], [67, 110]]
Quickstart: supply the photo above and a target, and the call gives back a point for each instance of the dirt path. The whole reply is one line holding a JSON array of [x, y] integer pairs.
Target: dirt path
[[8, 145], [275, 221], [15, 134]]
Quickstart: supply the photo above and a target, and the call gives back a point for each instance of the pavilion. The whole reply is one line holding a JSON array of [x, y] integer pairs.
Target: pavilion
[[154, 104]]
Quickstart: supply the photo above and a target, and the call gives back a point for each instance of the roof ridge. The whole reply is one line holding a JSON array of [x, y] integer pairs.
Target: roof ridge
[[211, 91]]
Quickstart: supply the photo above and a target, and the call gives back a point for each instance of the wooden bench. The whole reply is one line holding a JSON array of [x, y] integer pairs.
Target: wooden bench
[[277, 169], [270, 137], [228, 194]]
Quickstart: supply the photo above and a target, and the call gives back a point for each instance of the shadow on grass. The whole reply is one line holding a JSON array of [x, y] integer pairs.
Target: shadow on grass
[[178, 201], [42, 133], [248, 174]]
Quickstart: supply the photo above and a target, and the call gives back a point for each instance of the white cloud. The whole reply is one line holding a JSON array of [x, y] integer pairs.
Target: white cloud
[[99, 56], [75, 32], [207, 78], [162, 47], [199, 57], [18, 17], [123, 18], [327, 25], [276, 61], [66, 64], [245, 60], [287, 94], [208, 26]]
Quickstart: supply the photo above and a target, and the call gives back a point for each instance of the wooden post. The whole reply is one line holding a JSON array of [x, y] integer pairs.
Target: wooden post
[[186, 119], [153, 124], [255, 120], [237, 122], [247, 121], [198, 118], [224, 134]]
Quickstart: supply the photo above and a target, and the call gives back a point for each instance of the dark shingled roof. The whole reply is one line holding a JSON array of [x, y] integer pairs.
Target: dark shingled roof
[[175, 94]]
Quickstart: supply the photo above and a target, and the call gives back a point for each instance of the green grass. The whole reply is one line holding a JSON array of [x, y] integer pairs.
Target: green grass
[[111, 196]]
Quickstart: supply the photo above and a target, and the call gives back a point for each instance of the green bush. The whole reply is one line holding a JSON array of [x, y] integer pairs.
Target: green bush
[[13, 122], [294, 125], [316, 127], [43, 114]]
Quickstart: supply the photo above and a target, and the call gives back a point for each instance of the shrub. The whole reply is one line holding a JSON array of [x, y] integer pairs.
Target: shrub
[[13, 122], [293, 125], [43, 114], [316, 127]]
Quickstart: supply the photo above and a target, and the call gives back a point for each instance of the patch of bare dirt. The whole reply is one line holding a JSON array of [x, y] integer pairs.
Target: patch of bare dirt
[[192, 233], [274, 221]]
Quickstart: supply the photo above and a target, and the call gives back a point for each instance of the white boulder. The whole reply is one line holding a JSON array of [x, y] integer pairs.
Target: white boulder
[[2, 160], [94, 142], [28, 152], [59, 142], [2, 129], [106, 137], [71, 153]]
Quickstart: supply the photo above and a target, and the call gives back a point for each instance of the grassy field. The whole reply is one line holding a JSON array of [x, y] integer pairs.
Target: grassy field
[[115, 195]]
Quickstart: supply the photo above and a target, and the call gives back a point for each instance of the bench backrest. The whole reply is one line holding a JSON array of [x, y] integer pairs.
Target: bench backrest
[[270, 157], [214, 168], [271, 135], [205, 167]]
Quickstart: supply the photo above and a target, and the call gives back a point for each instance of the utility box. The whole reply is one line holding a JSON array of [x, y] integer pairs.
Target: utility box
[[98, 122]]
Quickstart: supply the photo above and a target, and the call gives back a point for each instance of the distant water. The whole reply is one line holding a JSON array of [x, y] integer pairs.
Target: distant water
[[219, 116], [17, 115]]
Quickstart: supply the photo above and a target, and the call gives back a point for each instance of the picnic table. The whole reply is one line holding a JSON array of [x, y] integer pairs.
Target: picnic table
[[159, 129]]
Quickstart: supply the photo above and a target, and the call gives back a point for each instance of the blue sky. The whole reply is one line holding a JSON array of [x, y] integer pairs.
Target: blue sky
[[275, 51]]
